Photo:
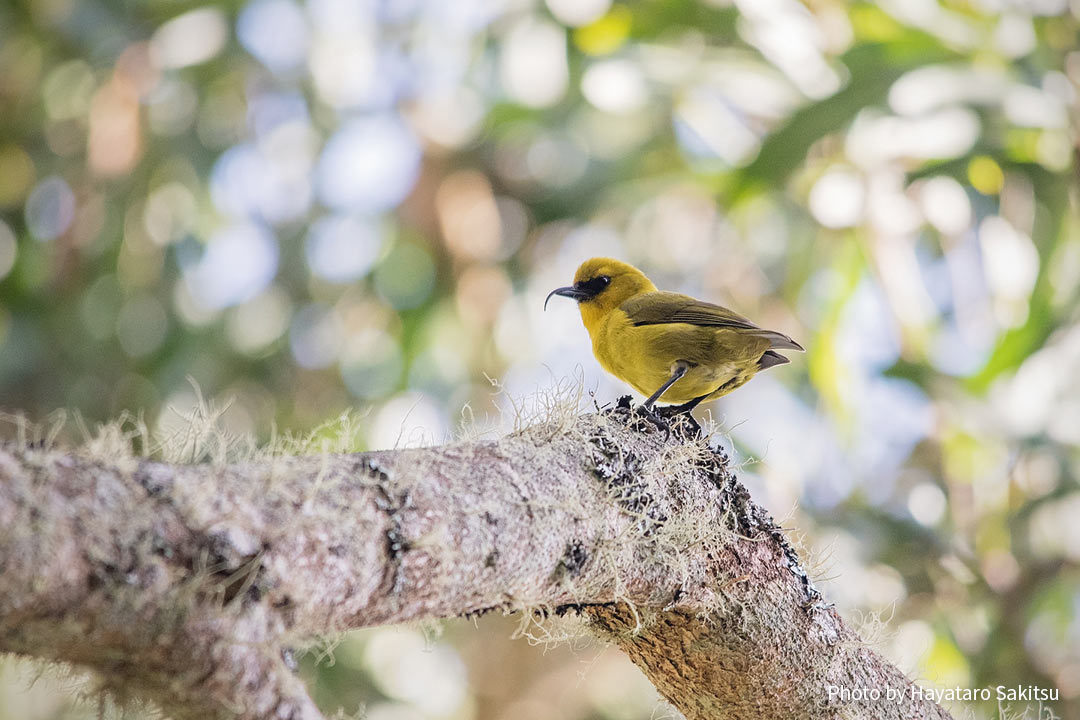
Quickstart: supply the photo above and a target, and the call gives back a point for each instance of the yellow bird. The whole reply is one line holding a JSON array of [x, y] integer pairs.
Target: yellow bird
[[668, 346]]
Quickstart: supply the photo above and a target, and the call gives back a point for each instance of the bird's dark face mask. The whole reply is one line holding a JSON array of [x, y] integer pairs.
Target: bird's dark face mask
[[582, 291]]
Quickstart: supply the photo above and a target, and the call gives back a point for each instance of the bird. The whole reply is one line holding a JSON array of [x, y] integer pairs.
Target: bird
[[669, 347]]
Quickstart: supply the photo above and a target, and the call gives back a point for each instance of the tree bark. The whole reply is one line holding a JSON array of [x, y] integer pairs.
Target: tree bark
[[186, 584]]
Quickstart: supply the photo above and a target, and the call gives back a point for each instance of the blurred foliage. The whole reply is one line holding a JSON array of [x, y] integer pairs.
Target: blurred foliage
[[307, 207]]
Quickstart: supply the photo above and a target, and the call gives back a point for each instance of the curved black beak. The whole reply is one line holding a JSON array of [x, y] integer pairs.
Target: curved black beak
[[570, 292]]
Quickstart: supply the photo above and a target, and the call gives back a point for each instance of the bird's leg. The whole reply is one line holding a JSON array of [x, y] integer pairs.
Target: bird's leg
[[678, 370], [686, 407], [646, 410]]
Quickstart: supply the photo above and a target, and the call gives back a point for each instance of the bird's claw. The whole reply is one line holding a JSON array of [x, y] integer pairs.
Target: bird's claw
[[667, 419], [677, 417], [653, 418]]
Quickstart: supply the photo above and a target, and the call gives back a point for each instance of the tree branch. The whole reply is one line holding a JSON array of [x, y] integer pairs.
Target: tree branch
[[185, 585]]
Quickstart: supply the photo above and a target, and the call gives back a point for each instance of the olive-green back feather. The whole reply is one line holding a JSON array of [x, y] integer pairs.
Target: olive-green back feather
[[661, 308]]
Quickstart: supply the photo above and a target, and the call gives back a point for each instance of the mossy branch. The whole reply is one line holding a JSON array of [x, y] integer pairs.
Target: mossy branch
[[186, 584]]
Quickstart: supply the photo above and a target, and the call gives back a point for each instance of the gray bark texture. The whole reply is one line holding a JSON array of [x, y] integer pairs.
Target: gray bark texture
[[185, 585]]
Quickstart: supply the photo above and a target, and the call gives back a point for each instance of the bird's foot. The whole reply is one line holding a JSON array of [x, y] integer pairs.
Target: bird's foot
[[665, 419], [649, 416], [681, 419]]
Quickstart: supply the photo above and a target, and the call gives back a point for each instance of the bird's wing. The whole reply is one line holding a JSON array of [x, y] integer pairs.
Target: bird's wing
[[660, 308]]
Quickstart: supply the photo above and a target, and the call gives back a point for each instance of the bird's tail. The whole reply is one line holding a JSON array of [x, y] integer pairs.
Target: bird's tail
[[771, 359], [779, 341]]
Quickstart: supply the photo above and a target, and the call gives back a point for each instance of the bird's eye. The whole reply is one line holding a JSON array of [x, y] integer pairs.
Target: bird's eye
[[595, 286]]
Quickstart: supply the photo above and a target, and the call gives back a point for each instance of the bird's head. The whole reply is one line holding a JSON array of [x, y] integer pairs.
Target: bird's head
[[602, 284]]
